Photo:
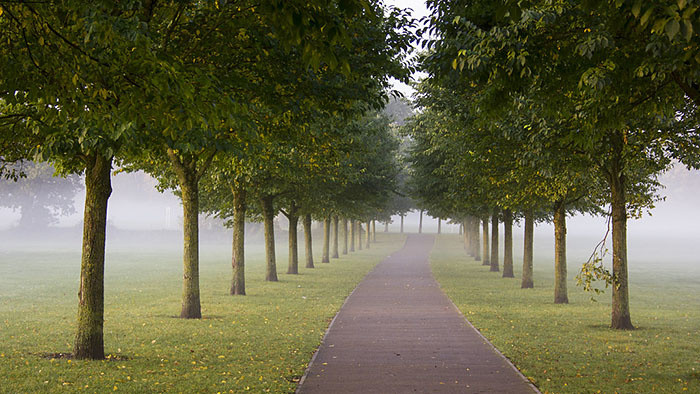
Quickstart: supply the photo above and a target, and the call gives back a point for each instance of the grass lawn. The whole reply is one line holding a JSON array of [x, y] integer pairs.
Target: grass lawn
[[569, 348], [261, 342]]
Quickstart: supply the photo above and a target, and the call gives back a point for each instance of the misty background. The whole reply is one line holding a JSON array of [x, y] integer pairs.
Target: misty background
[[139, 214]]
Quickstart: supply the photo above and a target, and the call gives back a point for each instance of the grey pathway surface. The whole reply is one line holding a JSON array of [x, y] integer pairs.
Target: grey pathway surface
[[399, 333]]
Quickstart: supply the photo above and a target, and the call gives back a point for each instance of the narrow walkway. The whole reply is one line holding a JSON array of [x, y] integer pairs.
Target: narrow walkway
[[399, 333]]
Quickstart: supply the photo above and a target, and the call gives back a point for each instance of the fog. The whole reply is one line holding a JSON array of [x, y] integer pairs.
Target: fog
[[140, 215]]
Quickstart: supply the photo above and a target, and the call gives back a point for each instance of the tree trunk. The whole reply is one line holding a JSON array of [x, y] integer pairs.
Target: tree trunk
[[334, 238], [476, 239], [560, 292], [345, 236], [386, 226], [352, 235], [527, 280], [467, 236], [485, 233], [494, 242], [325, 256], [461, 226], [185, 167], [293, 219], [401, 224], [368, 235], [374, 231], [508, 244], [268, 211], [191, 308], [238, 255], [420, 222], [621, 319], [359, 234], [89, 343], [308, 246], [439, 225]]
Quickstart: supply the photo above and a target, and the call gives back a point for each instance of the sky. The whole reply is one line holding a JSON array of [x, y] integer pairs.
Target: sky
[[419, 10]]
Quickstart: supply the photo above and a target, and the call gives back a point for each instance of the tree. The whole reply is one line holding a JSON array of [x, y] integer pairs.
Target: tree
[[41, 196], [619, 105]]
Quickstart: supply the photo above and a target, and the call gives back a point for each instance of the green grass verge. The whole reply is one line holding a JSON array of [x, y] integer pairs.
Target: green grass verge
[[261, 342], [569, 348]]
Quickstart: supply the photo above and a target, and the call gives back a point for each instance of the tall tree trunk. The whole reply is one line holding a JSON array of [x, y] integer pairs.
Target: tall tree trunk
[[369, 234], [621, 319], [420, 222], [191, 308], [268, 211], [345, 236], [527, 280], [89, 343], [508, 244], [352, 235], [386, 226], [476, 240], [402, 224], [334, 238], [238, 255], [560, 292], [467, 236], [485, 233], [308, 246], [374, 231], [325, 256], [439, 225], [185, 167], [293, 219], [494, 242], [358, 223], [461, 226]]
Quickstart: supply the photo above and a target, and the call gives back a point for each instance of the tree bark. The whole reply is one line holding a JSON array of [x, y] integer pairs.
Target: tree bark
[[620, 318], [560, 293], [467, 236], [293, 219], [476, 240], [352, 235], [308, 246], [420, 222], [494, 242], [527, 279], [508, 244], [368, 235], [334, 238], [374, 231], [238, 255], [345, 236], [461, 226], [191, 308], [268, 217], [401, 224], [358, 223], [185, 167], [439, 225], [485, 233], [89, 338], [386, 226], [325, 256]]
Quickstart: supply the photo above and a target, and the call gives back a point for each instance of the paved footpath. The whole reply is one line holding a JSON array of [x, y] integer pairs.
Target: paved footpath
[[399, 333]]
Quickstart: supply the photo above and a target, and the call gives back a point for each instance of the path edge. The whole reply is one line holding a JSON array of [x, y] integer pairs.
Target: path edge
[[323, 340], [493, 347]]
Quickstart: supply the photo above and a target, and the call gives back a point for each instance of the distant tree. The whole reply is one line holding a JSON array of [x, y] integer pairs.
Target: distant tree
[[41, 196]]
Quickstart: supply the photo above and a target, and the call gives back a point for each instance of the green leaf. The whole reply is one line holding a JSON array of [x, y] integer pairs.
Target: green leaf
[[672, 28], [659, 25], [645, 17], [686, 29], [636, 8], [681, 4]]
